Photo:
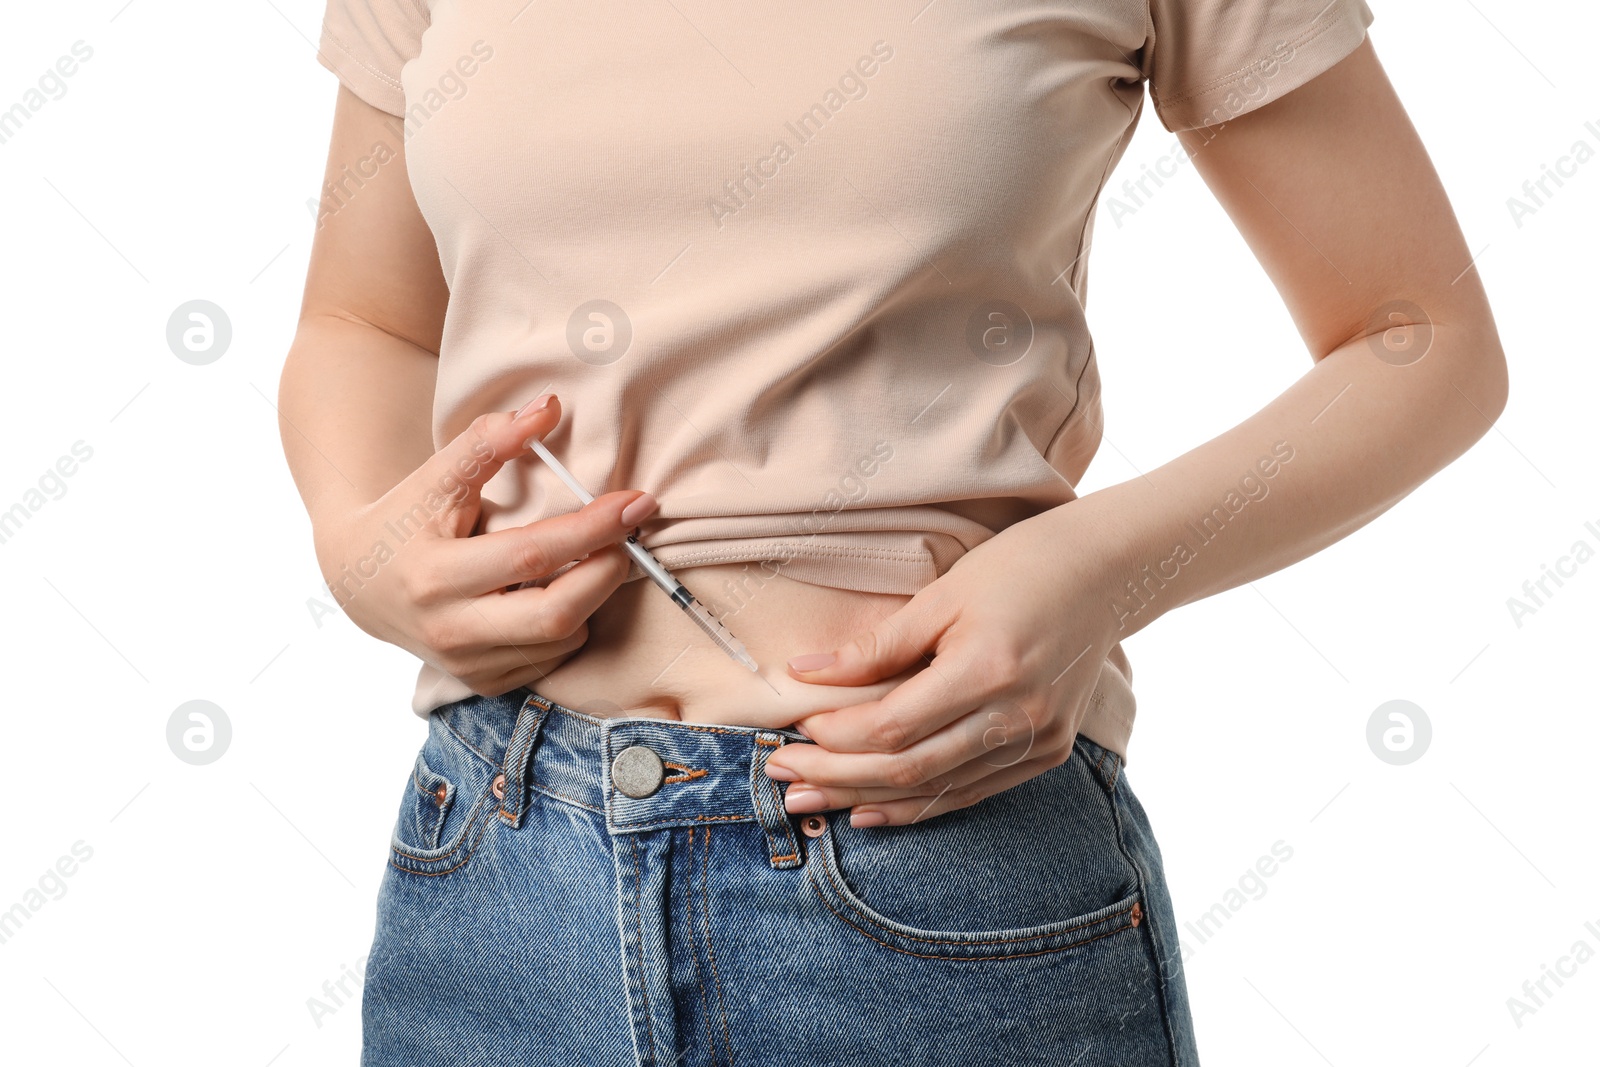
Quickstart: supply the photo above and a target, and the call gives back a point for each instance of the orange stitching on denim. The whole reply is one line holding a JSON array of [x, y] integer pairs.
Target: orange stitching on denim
[[764, 741], [705, 1004], [471, 815], [483, 826], [689, 777], [777, 799], [836, 883], [962, 959], [705, 898], [455, 866], [424, 790], [689, 773], [509, 815], [524, 764], [964, 941], [644, 977], [1107, 785]]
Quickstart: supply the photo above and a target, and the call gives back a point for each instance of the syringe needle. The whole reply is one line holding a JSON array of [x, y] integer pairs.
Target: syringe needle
[[657, 573]]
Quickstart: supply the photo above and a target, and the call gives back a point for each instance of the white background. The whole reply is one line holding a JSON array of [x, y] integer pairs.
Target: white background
[[177, 566]]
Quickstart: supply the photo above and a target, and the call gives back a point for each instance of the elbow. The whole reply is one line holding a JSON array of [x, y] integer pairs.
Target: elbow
[[1469, 379], [1484, 378]]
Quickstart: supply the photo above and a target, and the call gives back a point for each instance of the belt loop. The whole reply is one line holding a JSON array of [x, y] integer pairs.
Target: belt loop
[[781, 843], [518, 757]]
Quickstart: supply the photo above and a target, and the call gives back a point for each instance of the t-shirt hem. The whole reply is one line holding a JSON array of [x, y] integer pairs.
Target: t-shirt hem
[[896, 571]]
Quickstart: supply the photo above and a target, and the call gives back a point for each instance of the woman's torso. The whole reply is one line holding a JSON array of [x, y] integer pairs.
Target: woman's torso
[[830, 312], [644, 656]]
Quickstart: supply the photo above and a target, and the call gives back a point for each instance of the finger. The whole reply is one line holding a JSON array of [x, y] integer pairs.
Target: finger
[[803, 796], [548, 613], [903, 637], [471, 636], [924, 703], [923, 762], [492, 561], [918, 809], [444, 491], [1008, 739]]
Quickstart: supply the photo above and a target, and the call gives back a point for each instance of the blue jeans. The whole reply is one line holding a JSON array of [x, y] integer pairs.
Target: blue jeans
[[567, 889]]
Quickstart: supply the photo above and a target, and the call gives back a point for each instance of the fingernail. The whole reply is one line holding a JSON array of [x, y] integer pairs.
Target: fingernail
[[803, 800], [638, 510], [536, 404], [868, 818], [782, 774], [814, 661]]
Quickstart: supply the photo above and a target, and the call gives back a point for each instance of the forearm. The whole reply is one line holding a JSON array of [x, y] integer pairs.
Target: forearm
[[1338, 448], [354, 409]]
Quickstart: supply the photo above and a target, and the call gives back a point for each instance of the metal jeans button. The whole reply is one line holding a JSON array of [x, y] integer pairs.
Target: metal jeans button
[[637, 771]]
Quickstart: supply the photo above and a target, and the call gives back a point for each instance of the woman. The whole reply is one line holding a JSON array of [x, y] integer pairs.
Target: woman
[[814, 279]]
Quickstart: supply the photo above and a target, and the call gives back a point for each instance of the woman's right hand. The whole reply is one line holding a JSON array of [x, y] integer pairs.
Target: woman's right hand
[[407, 569]]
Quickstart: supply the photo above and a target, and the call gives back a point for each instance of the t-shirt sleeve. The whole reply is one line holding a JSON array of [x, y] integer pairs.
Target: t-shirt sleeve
[[366, 42], [1208, 61]]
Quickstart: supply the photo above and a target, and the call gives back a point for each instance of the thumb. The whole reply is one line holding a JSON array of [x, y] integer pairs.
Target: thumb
[[896, 643], [450, 483]]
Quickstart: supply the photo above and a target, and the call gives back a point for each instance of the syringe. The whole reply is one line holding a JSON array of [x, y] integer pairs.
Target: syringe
[[657, 573]]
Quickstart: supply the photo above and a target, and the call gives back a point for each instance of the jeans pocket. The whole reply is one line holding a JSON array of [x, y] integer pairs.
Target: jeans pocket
[[1034, 869], [448, 803], [428, 807]]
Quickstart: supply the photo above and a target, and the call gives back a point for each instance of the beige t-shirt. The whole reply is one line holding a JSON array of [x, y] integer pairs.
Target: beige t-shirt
[[812, 274]]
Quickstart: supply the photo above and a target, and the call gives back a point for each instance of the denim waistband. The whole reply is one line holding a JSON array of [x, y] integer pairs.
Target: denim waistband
[[709, 773]]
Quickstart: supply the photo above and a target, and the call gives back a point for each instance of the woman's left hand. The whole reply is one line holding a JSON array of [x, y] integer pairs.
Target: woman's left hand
[[1018, 629]]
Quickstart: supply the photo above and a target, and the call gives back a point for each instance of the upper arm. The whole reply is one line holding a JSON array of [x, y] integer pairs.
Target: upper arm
[[1335, 194], [373, 260]]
